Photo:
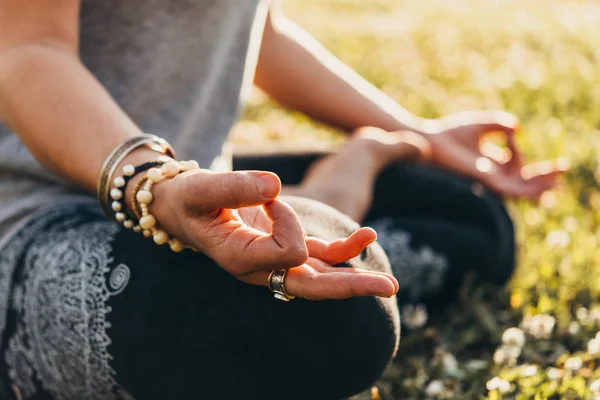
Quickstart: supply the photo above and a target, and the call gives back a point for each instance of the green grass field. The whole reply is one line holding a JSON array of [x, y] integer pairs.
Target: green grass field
[[539, 59]]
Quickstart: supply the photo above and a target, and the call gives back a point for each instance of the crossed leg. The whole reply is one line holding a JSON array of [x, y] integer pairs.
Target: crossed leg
[[99, 312], [435, 226]]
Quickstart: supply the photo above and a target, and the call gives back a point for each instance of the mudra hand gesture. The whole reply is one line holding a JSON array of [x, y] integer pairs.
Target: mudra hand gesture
[[235, 219], [457, 145]]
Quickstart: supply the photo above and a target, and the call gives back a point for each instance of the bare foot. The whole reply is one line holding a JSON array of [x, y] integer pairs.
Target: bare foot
[[345, 180]]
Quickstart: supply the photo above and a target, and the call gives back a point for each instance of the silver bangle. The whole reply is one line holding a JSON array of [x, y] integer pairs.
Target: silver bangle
[[118, 155]]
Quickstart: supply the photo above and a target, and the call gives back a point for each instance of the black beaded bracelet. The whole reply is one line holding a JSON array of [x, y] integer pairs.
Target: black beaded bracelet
[[117, 194]]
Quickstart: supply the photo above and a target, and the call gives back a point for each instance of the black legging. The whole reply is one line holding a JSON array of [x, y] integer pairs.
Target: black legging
[[99, 312]]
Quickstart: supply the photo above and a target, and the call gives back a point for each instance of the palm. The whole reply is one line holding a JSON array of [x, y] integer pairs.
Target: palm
[[260, 230], [459, 146]]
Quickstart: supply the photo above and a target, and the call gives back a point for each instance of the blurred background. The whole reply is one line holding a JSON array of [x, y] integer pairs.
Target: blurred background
[[539, 59]]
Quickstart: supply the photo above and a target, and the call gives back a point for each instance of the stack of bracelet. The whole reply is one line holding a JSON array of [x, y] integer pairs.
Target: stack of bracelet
[[144, 197], [156, 171], [118, 155], [117, 194]]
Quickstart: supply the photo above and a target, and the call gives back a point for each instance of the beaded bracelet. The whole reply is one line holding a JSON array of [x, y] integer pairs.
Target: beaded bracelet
[[134, 204], [117, 194], [118, 155], [144, 197]]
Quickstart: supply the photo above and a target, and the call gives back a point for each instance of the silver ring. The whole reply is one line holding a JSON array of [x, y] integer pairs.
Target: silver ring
[[276, 281]]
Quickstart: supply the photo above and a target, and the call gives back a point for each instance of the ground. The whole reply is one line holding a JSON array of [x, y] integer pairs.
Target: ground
[[540, 60]]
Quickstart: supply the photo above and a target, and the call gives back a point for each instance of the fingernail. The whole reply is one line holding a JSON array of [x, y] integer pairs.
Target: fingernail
[[374, 231], [269, 186]]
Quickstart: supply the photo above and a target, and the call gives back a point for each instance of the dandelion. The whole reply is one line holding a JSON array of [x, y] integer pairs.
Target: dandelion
[[558, 238], [573, 363], [574, 328], [498, 384], [554, 373], [414, 316], [548, 199], [507, 354], [513, 337], [435, 388], [593, 346], [500, 356], [595, 387], [571, 223], [582, 314], [529, 370], [449, 362], [539, 326], [594, 315]]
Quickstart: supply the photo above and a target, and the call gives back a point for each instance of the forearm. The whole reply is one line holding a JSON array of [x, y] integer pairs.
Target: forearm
[[60, 111], [301, 74]]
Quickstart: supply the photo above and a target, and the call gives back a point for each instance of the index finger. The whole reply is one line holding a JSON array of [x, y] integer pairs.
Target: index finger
[[283, 248]]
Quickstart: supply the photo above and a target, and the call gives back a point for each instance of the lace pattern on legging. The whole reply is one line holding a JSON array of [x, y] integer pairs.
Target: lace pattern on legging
[[420, 270], [59, 294]]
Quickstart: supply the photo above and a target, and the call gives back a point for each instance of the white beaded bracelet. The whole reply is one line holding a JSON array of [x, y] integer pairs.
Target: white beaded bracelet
[[117, 194], [144, 197]]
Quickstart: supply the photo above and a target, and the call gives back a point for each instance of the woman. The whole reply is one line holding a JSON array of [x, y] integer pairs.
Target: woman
[[92, 310]]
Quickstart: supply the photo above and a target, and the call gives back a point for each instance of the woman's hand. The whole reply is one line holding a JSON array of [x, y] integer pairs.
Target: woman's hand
[[457, 145], [235, 220]]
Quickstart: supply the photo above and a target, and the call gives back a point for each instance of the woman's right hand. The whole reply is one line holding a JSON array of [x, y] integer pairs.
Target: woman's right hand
[[201, 208]]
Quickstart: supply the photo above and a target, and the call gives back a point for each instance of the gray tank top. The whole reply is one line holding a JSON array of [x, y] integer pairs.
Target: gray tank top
[[180, 69]]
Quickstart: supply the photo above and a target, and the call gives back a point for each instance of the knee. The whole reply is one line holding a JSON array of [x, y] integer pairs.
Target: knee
[[302, 350], [206, 330], [343, 347]]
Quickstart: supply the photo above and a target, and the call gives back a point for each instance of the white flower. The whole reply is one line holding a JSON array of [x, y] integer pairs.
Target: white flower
[[435, 388], [574, 328], [582, 313], [500, 356], [507, 354], [554, 373], [513, 351], [539, 326], [529, 370], [414, 316], [513, 337], [570, 224], [595, 315], [449, 362], [573, 363], [558, 238], [595, 386], [593, 346], [498, 384]]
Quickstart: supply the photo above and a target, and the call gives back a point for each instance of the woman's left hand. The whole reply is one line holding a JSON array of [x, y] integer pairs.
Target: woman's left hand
[[457, 145]]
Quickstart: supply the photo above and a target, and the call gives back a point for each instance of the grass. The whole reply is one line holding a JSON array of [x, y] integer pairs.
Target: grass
[[540, 60]]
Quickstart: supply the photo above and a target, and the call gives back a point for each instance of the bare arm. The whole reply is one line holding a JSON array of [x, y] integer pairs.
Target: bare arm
[[301, 74], [57, 107], [70, 123]]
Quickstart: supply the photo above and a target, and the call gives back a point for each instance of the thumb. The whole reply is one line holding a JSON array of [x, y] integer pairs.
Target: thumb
[[208, 191], [498, 120]]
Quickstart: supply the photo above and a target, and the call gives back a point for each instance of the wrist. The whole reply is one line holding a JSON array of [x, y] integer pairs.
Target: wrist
[[136, 157], [421, 126]]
